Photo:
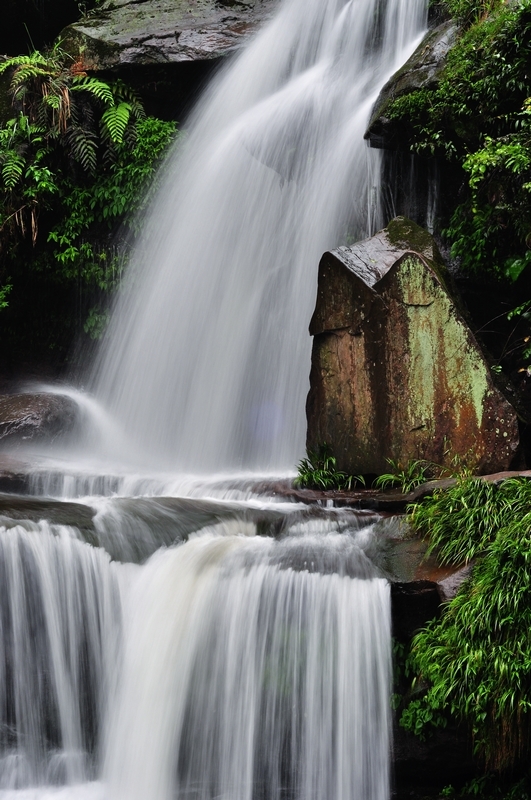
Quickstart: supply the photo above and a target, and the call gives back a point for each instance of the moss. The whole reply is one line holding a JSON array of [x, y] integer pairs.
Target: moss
[[404, 233]]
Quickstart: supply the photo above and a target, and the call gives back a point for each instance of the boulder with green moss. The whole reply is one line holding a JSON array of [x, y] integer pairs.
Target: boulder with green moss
[[150, 32], [396, 371]]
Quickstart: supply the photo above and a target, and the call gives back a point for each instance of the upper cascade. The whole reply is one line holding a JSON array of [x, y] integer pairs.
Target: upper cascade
[[206, 364]]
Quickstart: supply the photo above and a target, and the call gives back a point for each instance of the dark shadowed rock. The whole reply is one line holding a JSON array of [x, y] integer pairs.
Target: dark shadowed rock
[[413, 604], [56, 512], [396, 372], [37, 416], [444, 757], [422, 70], [148, 32]]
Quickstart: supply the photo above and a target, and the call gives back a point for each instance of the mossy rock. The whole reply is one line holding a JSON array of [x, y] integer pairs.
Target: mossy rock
[[422, 71]]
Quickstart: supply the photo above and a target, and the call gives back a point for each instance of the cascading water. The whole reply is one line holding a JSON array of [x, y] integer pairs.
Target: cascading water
[[268, 682], [59, 613], [207, 361], [204, 660], [230, 665]]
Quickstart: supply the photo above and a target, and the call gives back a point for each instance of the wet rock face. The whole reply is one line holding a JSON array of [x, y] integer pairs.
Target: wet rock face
[[38, 416], [150, 32], [421, 71], [396, 372]]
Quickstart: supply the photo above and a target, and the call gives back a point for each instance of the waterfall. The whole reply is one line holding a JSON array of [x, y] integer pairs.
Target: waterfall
[[207, 359], [194, 639], [229, 665], [245, 677], [59, 610]]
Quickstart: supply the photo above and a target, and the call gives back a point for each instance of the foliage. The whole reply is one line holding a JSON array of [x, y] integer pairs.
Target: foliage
[[494, 786], [319, 471], [75, 160], [474, 664], [4, 291], [477, 658], [470, 11], [460, 522], [478, 117], [406, 477], [103, 202]]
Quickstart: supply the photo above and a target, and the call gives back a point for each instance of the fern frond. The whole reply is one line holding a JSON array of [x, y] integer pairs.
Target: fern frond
[[12, 168], [34, 59], [114, 122], [22, 76], [123, 92], [52, 100], [94, 86], [83, 147]]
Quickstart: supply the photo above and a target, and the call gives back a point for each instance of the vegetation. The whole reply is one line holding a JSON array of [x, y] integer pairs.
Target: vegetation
[[461, 522], [75, 158], [477, 120], [319, 471], [474, 664], [407, 477]]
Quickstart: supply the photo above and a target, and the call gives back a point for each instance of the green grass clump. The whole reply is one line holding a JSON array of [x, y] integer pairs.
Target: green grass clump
[[319, 471], [461, 522], [405, 477], [473, 665], [476, 659]]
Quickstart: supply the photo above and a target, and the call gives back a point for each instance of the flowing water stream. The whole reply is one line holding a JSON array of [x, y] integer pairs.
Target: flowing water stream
[[190, 636]]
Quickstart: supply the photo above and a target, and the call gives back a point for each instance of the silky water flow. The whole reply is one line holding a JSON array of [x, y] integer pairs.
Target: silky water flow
[[190, 638]]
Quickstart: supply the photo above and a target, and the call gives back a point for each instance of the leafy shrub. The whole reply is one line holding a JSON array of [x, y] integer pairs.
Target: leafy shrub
[[478, 117], [75, 162]]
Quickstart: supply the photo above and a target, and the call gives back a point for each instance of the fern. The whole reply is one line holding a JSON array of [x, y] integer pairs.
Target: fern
[[33, 59], [12, 168], [114, 122], [99, 89], [83, 147], [124, 93]]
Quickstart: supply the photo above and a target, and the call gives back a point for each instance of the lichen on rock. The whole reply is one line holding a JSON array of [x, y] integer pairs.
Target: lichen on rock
[[396, 371], [145, 32]]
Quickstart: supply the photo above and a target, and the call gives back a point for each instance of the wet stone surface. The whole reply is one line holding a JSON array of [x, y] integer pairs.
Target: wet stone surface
[[141, 32], [422, 70], [36, 416]]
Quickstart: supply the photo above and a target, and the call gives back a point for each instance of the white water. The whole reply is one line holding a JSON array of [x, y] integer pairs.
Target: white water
[[206, 365], [250, 668], [59, 614]]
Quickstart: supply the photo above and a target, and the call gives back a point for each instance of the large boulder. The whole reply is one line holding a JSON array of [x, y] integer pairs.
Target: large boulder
[[165, 49], [396, 371], [148, 32], [36, 416]]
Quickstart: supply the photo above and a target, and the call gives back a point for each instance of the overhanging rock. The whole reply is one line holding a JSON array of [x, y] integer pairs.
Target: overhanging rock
[[396, 371], [148, 32]]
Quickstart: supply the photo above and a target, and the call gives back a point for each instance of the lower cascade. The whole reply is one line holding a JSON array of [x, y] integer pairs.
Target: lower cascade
[[230, 665]]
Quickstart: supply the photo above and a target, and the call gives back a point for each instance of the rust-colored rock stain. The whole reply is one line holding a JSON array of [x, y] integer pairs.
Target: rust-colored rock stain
[[396, 371]]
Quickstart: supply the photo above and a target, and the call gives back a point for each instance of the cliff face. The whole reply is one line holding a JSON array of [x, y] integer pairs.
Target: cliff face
[[396, 372]]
